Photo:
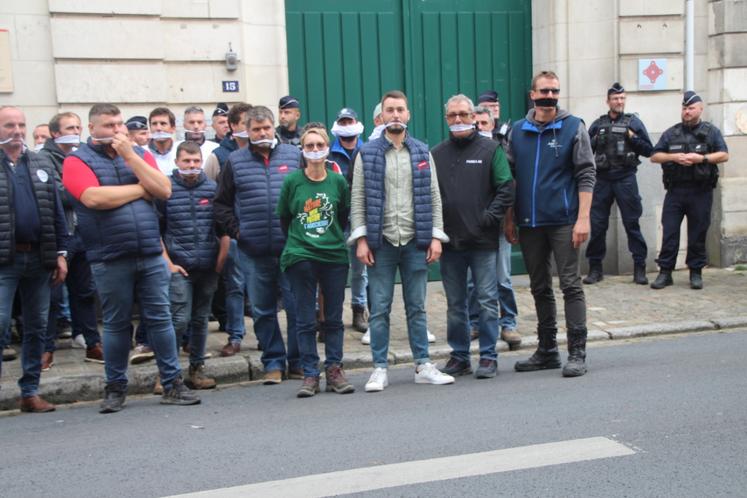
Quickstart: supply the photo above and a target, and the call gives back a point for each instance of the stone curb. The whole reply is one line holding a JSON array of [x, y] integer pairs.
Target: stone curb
[[240, 368]]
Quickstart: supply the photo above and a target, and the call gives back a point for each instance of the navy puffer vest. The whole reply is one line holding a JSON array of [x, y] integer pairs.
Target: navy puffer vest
[[374, 172], [257, 192], [130, 230]]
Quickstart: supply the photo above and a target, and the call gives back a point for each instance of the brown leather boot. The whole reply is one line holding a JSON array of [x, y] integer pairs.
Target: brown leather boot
[[47, 361], [35, 404], [197, 378]]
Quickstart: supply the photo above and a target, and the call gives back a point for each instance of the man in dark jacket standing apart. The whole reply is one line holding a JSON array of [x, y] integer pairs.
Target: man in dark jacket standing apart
[[553, 165], [476, 190], [617, 139], [32, 247], [114, 184], [248, 193]]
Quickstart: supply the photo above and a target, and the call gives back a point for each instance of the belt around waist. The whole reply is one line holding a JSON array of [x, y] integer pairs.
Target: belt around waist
[[26, 247]]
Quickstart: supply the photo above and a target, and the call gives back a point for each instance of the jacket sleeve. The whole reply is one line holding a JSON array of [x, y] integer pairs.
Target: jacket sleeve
[[584, 169], [343, 210], [640, 142], [223, 204], [357, 203], [60, 225], [436, 205], [504, 191], [282, 210]]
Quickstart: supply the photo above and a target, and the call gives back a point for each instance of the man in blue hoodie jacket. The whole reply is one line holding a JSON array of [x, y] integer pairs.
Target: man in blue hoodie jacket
[[553, 164]]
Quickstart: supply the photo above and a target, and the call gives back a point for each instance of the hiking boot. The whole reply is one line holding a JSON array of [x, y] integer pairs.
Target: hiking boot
[[158, 387], [295, 373], [197, 379], [230, 349], [512, 338], [309, 387], [455, 367], [47, 361], [179, 394], [95, 354], [596, 274], [336, 381], [360, 318], [576, 364], [487, 369], [115, 395], [696, 278], [273, 377], [639, 274], [663, 279], [141, 354], [540, 360]]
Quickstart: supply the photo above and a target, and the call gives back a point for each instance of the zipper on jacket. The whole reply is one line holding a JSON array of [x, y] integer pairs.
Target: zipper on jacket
[[194, 226], [132, 210], [534, 180], [565, 201]]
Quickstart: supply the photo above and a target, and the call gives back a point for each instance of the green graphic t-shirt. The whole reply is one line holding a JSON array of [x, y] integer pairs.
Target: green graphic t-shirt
[[315, 212]]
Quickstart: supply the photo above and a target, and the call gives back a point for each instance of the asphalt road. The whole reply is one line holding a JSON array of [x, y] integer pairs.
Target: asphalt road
[[679, 403]]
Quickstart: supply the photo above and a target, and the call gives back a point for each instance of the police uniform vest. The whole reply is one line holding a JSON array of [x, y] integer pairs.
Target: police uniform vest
[[374, 170], [612, 146], [42, 180], [685, 141], [130, 230]]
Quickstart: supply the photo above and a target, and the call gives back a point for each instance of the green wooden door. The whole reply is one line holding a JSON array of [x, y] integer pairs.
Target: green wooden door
[[345, 53]]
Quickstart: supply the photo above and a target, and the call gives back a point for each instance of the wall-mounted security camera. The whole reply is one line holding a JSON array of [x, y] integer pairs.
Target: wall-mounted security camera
[[232, 59]]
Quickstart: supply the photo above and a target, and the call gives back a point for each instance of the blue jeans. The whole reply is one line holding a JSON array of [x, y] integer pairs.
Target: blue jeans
[[27, 274], [454, 266], [265, 280], [236, 283], [358, 280], [506, 298], [413, 271], [304, 277], [82, 296], [117, 282], [191, 298]]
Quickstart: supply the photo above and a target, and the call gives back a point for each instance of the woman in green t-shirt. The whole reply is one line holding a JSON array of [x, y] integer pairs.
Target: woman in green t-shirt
[[313, 209]]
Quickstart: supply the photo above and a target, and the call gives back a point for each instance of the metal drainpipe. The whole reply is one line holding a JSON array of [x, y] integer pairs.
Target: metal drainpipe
[[690, 45]]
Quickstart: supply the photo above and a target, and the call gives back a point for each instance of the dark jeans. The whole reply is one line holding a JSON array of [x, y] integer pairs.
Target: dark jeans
[[304, 277], [190, 298], [82, 296], [624, 192], [539, 247], [117, 282], [27, 274], [265, 279], [694, 203]]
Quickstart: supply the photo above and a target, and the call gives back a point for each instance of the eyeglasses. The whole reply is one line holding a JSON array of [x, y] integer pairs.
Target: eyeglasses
[[462, 115], [545, 91], [314, 146]]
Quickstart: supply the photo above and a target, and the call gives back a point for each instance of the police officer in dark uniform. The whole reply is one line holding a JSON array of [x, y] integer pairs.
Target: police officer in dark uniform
[[501, 131], [617, 138], [289, 113], [689, 153]]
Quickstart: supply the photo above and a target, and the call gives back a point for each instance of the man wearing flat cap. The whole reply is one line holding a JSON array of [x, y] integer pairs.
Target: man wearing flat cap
[[618, 139], [689, 153], [137, 130], [491, 100], [289, 112]]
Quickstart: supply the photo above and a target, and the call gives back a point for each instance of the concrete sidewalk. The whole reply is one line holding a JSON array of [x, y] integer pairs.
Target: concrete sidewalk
[[617, 309]]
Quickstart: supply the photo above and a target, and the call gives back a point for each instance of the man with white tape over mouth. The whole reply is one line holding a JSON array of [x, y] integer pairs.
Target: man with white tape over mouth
[[32, 252], [397, 224], [162, 145]]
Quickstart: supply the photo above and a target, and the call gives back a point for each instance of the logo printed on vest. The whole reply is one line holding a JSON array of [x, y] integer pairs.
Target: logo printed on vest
[[283, 168], [204, 201], [43, 176], [473, 161], [553, 144], [423, 165]]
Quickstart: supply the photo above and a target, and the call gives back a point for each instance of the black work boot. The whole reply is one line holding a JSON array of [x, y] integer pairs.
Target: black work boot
[[596, 274], [664, 279], [576, 364], [360, 320], [639, 274], [115, 396], [545, 357], [696, 278]]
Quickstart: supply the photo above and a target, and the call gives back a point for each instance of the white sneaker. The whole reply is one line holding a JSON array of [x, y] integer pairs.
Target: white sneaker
[[431, 337], [427, 373], [366, 339], [378, 381], [79, 342]]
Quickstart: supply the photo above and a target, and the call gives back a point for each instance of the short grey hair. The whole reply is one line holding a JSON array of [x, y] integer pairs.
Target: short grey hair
[[259, 113], [460, 97], [193, 110], [481, 109]]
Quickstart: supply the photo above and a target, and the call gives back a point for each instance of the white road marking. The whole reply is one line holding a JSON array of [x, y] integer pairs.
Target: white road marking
[[421, 471]]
